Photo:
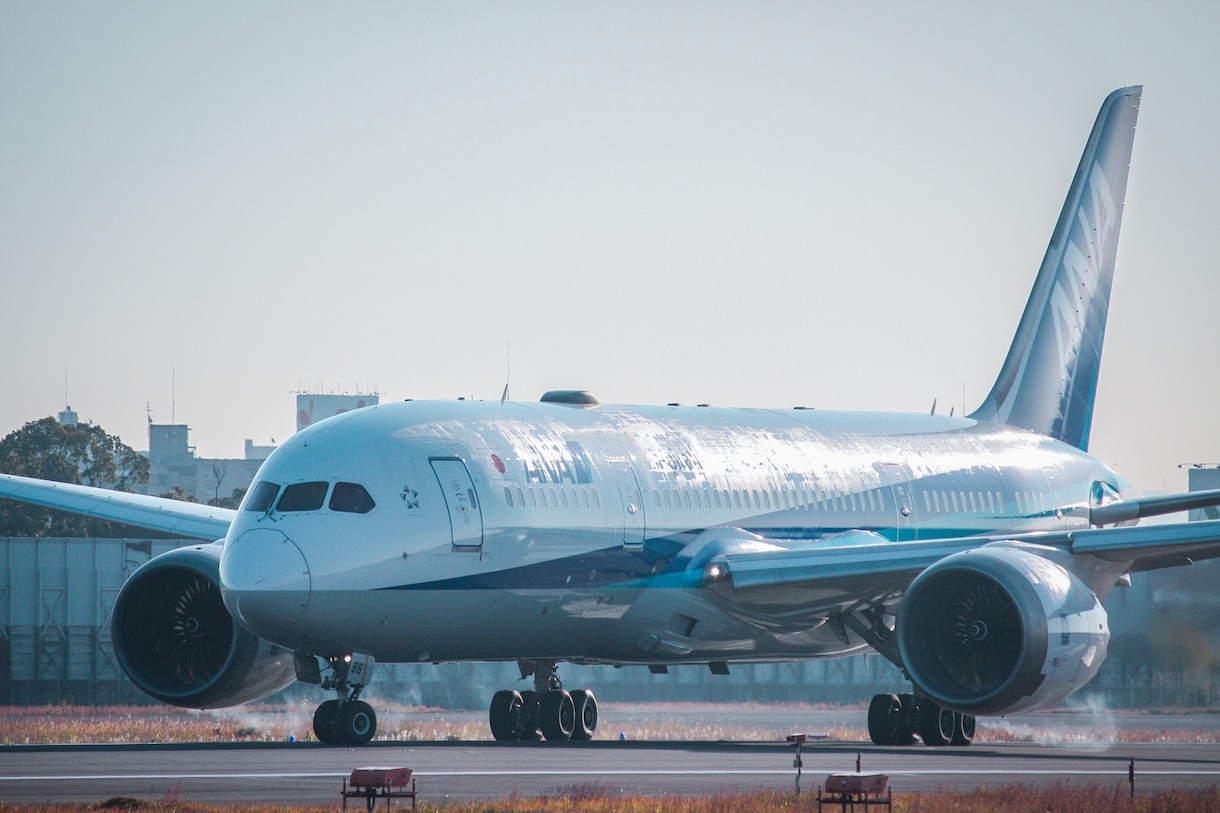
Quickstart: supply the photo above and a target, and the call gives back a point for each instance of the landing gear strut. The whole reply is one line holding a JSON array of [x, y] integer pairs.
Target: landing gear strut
[[548, 708], [895, 719], [346, 720]]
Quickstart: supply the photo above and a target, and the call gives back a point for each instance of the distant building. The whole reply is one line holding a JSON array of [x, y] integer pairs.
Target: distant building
[[172, 463], [313, 407], [68, 417], [1202, 477]]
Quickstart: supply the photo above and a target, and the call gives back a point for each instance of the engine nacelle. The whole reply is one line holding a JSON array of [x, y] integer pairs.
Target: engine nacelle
[[176, 641], [1000, 629]]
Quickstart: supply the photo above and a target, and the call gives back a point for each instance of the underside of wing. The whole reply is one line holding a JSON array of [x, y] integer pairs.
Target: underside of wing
[[184, 519], [1151, 547], [824, 576]]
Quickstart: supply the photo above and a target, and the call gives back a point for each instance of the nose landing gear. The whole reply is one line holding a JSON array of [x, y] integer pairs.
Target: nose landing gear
[[346, 720], [558, 714]]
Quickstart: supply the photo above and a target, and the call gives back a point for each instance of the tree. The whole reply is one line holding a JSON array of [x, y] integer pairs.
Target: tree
[[67, 453]]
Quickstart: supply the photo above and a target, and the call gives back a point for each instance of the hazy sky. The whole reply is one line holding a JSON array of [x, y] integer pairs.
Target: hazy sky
[[840, 205]]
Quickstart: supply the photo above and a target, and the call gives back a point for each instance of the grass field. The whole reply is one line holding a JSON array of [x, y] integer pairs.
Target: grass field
[[1005, 799]]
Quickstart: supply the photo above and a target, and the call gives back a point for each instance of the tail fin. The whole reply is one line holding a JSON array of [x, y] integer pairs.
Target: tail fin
[[1049, 378]]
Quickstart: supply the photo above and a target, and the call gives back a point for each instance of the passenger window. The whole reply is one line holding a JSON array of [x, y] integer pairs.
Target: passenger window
[[508, 497], [303, 497], [262, 496], [351, 498]]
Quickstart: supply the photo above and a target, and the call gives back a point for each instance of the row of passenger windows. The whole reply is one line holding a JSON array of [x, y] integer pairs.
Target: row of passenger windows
[[696, 499], [979, 501], [349, 498], [551, 497], [705, 499]]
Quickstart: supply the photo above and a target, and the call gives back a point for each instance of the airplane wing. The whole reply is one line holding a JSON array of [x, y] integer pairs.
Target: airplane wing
[[183, 519], [860, 566]]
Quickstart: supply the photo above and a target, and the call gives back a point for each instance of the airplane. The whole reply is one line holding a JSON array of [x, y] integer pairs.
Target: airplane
[[973, 551]]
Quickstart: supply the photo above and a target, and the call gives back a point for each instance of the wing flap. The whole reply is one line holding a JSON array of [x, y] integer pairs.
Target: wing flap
[[1150, 546], [190, 520]]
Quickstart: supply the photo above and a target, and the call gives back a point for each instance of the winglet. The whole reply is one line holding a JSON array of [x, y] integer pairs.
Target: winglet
[[1049, 379]]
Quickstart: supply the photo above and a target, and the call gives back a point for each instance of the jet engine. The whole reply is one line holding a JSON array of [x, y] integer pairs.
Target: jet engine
[[176, 641], [1000, 629]]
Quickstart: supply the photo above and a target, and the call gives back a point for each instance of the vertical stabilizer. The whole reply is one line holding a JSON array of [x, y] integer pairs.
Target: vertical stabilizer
[[1049, 378]]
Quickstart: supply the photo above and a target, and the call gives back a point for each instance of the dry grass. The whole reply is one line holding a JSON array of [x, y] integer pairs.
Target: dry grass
[[663, 722], [1062, 798]]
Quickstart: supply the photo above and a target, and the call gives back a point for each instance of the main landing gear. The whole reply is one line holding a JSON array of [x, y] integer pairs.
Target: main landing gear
[[895, 719], [546, 710], [346, 720]]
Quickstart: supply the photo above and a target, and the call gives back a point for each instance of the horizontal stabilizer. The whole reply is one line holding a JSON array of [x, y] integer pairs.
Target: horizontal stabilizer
[[184, 519]]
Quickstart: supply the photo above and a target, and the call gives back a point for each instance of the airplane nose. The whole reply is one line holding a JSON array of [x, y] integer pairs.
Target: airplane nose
[[265, 580]]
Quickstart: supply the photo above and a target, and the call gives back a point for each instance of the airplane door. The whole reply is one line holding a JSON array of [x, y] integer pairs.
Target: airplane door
[[632, 505], [465, 516], [896, 477]]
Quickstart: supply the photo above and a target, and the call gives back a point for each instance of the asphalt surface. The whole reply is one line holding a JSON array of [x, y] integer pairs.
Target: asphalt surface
[[311, 774]]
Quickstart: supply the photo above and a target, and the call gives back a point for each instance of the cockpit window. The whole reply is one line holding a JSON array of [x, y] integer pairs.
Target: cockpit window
[[303, 497], [351, 498], [261, 496]]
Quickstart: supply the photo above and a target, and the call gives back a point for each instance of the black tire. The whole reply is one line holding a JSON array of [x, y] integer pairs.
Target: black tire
[[585, 707], [904, 731], [937, 724], [884, 714], [529, 715], [505, 716], [356, 723], [557, 716], [324, 719], [963, 734]]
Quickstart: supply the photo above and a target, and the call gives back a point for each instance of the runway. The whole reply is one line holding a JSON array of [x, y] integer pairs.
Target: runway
[[310, 774]]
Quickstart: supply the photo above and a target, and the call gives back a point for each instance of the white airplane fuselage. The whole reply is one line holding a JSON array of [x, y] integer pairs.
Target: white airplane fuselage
[[554, 532]]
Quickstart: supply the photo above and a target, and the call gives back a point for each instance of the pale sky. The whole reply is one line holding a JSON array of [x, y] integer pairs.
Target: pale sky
[[208, 206]]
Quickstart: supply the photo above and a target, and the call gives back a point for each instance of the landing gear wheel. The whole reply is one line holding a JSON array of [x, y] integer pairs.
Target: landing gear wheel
[[963, 734], [884, 715], [356, 723], [324, 723], [529, 715], [585, 708], [505, 716], [904, 732], [557, 715], [937, 724]]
